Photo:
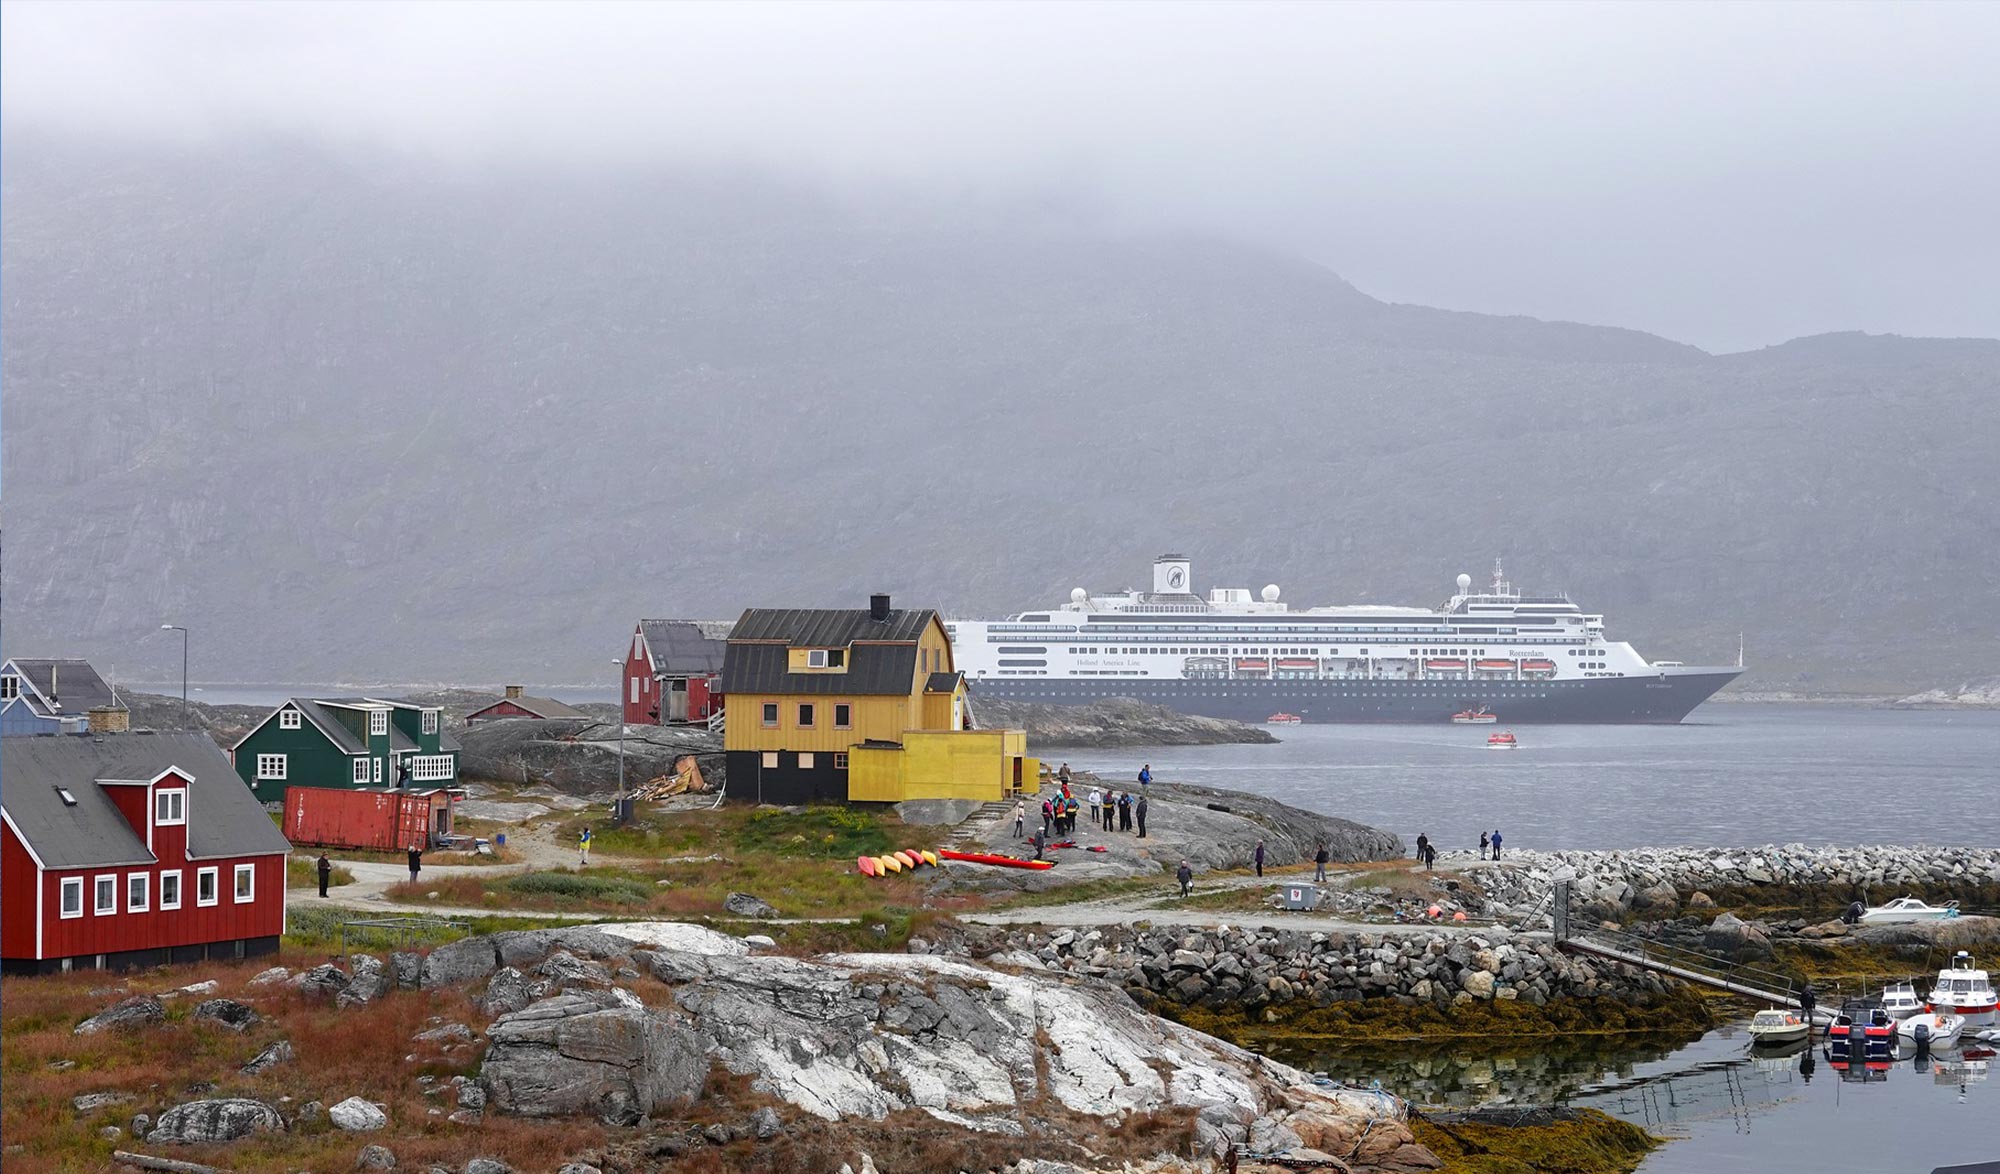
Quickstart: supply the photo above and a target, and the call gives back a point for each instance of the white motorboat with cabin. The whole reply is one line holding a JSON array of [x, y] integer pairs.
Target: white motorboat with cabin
[[1963, 989], [1933, 1028], [1900, 1000], [1908, 909], [1778, 1026]]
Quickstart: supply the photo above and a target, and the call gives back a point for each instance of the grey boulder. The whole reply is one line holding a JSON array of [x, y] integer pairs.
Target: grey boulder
[[375, 1157], [747, 905], [228, 1012], [280, 1052], [218, 1120], [570, 1054], [137, 1011], [357, 1116]]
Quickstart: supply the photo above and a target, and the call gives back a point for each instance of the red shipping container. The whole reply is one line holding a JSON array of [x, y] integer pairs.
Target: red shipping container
[[388, 820]]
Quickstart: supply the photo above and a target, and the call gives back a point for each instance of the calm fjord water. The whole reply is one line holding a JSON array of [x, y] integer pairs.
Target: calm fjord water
[[1731, 775]]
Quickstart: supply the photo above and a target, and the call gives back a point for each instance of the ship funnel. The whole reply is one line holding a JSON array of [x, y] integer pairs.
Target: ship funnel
[[1170, 575]]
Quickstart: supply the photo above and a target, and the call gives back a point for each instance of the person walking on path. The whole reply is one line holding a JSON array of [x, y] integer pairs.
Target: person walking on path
[[325, 868], [1073, 806], [1319, 864], [1048, 815], [1020, 818], [1125, 812], [1096, 798], [1038, 839], [583, 848], [1423, 841], [1063, 776], [1259, 857], [1430, 856], [1186, 877], [1146, 775], [1482, 845], [1496, 843], [416, 862], [1139, 812]]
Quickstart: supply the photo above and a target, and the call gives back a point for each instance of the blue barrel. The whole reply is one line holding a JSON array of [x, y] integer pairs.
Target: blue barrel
[[500, 840]]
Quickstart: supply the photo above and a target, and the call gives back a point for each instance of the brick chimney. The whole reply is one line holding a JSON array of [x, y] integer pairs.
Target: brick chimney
[[878, 608], [110, 719], [513, 691]]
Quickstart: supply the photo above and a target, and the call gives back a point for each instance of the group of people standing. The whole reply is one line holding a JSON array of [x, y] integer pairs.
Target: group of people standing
[[1427, 852], [1110, 810]]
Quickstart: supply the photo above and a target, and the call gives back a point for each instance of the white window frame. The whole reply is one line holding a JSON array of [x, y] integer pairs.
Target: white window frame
[[238, 893], [360, 772], [170, 797], [272, 767], [805, 760], [840, 760], [144, 884], [838, 724], [378, 723], [635, 690], [10, 687], [815, 658], [70, 884], [430, 721], [213, 879], [99, 884], [174, 875], [431, 768], [770, 760], [378, 769], [289, 719]]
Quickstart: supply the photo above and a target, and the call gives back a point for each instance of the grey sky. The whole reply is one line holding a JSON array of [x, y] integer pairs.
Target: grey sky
[[1728, 175]]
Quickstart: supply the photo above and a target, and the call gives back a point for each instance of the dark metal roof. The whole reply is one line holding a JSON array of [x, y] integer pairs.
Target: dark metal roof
[[943, 682], [542, 707], [881, 654], [72, 684], [686, 647], [316, 711], [224, 818]]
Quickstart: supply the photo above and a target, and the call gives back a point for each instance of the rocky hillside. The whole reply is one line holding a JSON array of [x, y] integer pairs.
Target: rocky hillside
[[360, 418], [1983, 694], [1114, 721]]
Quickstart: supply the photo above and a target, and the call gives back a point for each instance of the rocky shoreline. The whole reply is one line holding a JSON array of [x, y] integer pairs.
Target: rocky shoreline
[[1262, 971], [1613, 885], [1114, 722]]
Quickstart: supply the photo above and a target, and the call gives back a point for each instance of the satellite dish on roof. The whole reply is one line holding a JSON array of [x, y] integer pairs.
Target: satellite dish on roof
[[1270, 593], [1464, 584]]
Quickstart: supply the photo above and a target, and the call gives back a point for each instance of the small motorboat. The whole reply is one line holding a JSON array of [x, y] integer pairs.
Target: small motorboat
[[1908, 909], [1963, 990], [1862, 1035], [1937, 1030], [1284, 719], [1777, 1026], [1474, 717], [1900, 1000], [1504, 740]]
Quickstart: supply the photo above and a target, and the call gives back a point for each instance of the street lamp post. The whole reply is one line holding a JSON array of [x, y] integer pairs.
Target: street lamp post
[[618, 810], [184, 670]]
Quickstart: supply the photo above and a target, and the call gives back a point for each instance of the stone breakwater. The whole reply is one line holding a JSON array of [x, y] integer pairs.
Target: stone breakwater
[[1658, 881], [1252, 969]]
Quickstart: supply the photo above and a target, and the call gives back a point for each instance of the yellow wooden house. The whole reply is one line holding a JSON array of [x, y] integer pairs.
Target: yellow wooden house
[[864, 706]]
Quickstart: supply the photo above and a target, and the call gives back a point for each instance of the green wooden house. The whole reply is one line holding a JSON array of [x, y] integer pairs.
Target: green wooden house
[[346, 742]]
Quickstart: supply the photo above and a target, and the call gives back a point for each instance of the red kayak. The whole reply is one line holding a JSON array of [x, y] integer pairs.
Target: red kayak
[[989, 858]]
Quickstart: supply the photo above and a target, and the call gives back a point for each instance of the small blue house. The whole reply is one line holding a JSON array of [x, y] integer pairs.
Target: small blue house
[[50, 696]]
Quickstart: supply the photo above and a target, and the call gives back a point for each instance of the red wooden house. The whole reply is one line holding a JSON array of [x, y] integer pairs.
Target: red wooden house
[[133, 850], [673, 671], [518, 704]]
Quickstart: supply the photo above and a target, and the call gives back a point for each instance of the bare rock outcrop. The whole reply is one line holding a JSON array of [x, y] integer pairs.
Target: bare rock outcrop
[[571, 1054]]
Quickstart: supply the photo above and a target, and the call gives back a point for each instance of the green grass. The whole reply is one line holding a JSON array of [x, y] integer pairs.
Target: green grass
[[829, 833], [816, 833], [611, 888], [303, 873]]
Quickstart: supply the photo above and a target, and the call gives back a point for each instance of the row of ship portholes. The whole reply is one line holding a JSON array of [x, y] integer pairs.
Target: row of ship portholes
[[1386, 694]]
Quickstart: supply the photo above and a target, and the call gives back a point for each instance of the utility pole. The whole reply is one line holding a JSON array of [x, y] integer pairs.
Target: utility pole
[[618, 806]]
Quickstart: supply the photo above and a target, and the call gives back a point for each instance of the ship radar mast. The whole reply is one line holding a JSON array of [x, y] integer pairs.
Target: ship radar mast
[[1500, 584]]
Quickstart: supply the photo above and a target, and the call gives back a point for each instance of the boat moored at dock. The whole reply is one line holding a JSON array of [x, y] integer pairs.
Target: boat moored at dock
[[1537, 658], [1963, 989]]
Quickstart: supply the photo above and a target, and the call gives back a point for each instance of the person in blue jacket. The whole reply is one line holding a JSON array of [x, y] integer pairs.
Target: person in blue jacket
[[1146, 775], [1496, 843]]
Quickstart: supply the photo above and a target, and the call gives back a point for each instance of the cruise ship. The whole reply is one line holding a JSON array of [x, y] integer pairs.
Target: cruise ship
[[1520, 658]]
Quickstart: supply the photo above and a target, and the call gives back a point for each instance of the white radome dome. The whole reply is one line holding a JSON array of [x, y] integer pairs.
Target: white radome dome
[[1464, 584], [1079, 595], [1270, 593]]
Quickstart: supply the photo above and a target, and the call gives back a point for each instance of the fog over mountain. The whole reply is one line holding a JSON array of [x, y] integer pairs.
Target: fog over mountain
[[440, 342], [357, 417]]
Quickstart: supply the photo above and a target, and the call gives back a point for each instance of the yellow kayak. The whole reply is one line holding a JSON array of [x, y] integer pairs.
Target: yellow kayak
[[892, 864], [908, 860], [930, 858]]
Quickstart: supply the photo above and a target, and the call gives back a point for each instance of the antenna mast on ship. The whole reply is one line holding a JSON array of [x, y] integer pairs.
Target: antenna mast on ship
[[1739, 650]]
